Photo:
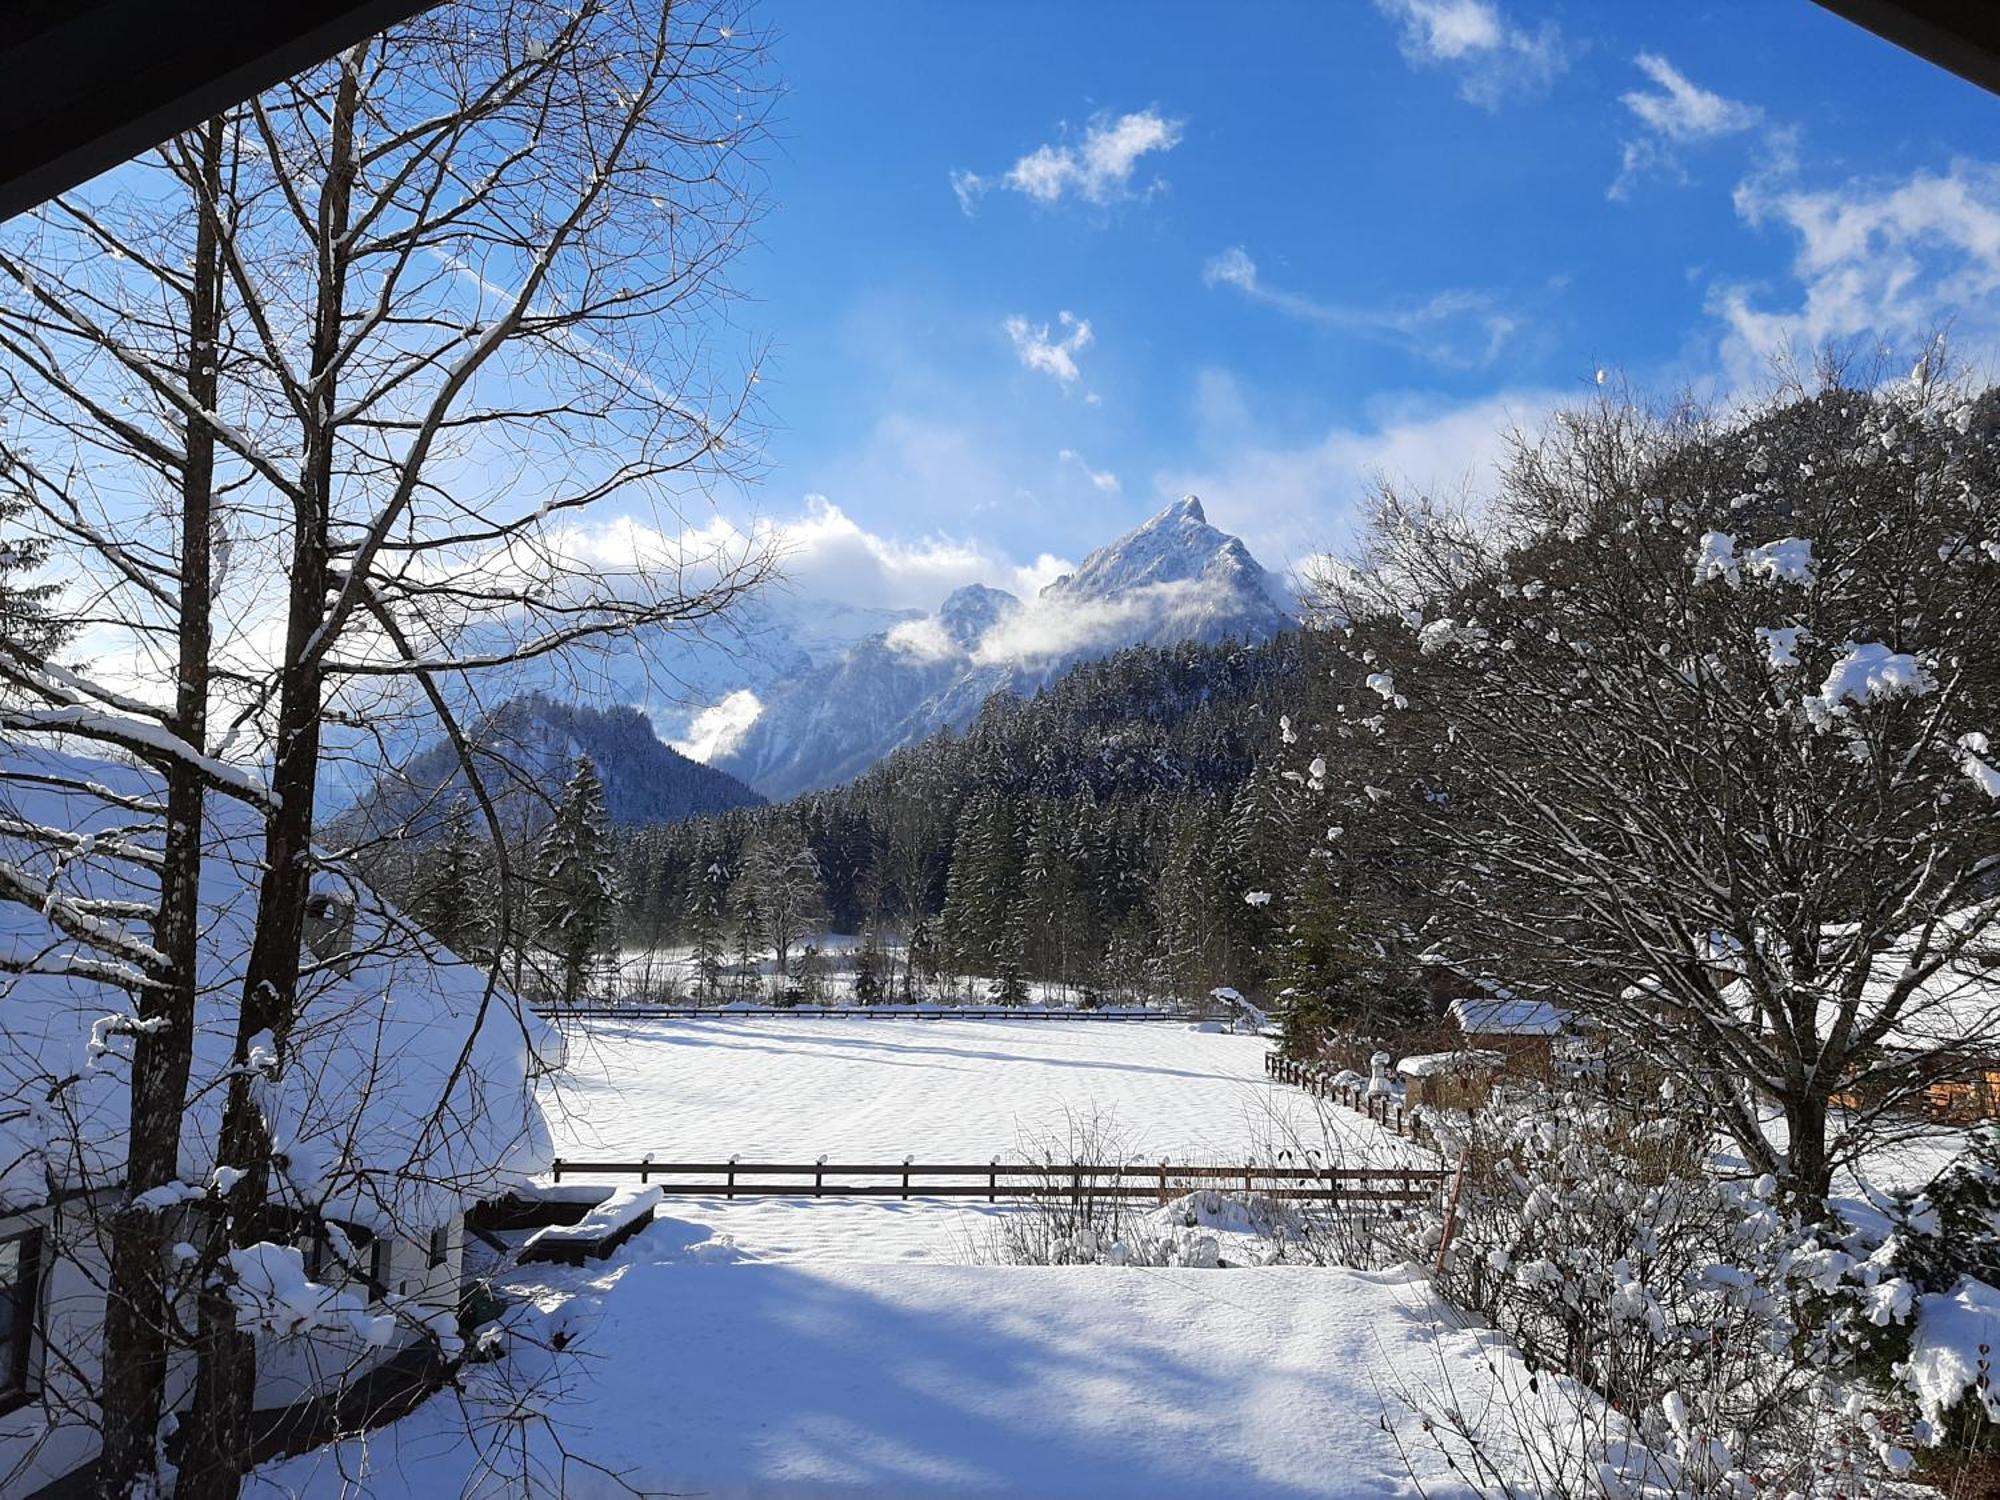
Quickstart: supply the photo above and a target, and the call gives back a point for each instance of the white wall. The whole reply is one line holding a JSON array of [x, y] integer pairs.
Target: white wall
[[56, 1433]]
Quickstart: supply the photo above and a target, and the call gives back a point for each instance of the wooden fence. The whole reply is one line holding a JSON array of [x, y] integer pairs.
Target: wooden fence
[[1317, 1079], [851, 1013], [997, 1180]]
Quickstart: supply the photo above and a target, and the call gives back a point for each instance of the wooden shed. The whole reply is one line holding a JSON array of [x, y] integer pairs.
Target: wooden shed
[[1450, 1080]]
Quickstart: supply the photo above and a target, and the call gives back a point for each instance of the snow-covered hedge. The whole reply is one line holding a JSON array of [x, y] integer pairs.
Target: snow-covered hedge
[[1716, 1323]]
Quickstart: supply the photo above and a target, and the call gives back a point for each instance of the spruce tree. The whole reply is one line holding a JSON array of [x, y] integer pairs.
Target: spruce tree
[[576, 882], [705, 927], [29, 627], [450, 898], [868, 965]]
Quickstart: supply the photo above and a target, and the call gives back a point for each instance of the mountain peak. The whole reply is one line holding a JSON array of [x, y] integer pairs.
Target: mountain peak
[[1187, 508], [971, 610]]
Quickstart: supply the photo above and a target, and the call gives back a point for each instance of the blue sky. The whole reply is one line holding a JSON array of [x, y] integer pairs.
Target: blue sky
[[1310, 242]]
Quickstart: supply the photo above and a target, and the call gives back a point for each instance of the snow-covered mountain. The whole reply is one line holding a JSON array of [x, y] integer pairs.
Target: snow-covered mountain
[[1176, 578], [533, 742], [699, 689]]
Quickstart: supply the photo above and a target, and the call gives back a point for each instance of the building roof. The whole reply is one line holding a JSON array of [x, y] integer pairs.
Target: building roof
[[1503, 1014], [1454, 1064], [407, 1089]]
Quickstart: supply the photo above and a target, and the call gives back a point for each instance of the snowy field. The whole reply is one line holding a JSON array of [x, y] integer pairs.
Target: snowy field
[[939, 1091], [782, 1382], [786, 1349], [947, 1090]]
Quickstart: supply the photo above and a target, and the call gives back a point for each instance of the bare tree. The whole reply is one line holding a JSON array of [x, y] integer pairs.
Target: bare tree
[[320, 403], [1688, 734], [779, 883]]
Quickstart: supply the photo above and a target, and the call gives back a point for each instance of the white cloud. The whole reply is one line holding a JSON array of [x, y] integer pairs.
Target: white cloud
[[1051, 629], [720, 727], [1887, 260], [1299, 499], [1039, 574], [1679, 113], [1104, 479], [1460, 328], [827, 554], [1099, 168], [1682, 110], [924, 640], [1495, 59], [1053, 356]]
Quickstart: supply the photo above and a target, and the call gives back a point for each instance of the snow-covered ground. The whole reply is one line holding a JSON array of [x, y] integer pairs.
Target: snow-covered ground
[[809, 1348], [788, 1381], [943, 1091]]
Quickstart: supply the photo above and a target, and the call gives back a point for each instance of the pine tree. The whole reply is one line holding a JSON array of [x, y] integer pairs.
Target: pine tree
[[29, 628], [576, 882], [985, 870], [450, 899], [704, 926], [868, 965], [743, 908], [1010, 978]]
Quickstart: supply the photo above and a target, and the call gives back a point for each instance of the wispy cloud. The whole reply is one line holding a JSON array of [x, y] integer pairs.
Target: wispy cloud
[[1052, 354], [1301, 497], [1495, 59], [1461, 328], [1098, 168], [1103, 479], [1676, 113], [1890, 260], [1053, 628]]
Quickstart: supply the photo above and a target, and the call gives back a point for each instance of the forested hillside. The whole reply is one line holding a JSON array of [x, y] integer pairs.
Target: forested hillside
[[1104, 834]]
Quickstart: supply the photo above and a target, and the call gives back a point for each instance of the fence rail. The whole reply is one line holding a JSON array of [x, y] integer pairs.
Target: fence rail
[[996, 1180], [1317, 1079], [852, 1013]]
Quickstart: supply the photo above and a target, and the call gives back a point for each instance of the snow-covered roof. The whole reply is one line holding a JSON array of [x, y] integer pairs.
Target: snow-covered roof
[[1507, 1015], [407, 1088], [1437, 1064], [1957, 1008]]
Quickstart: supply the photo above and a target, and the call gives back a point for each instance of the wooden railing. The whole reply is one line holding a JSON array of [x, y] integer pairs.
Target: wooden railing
[[997, 1180], [1317, 1079]]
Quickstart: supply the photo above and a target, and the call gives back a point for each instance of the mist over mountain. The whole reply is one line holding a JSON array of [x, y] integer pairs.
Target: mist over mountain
[[1175, 578]]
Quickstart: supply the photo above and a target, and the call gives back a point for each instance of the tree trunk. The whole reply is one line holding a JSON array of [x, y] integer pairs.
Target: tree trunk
[[138, 1312], [226, 1375], [1808, 1175]]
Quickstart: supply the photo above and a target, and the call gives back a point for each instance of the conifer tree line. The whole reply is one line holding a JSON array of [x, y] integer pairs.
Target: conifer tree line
[[567, 873], [1100, 838]]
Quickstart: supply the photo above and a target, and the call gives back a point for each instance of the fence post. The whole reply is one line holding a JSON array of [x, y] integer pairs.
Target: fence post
[[558, 1169], [1163, 1182], [906, 1179], [819, 1178], [646, 1168], [1247, 1190], [729, 1187]]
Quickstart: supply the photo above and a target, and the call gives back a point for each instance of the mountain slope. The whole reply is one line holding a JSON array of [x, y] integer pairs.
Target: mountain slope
[[1174, 579], [528, 747]]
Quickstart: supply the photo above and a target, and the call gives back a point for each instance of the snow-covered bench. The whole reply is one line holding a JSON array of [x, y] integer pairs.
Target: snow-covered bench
[[600, 1231], [534, 1206]]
